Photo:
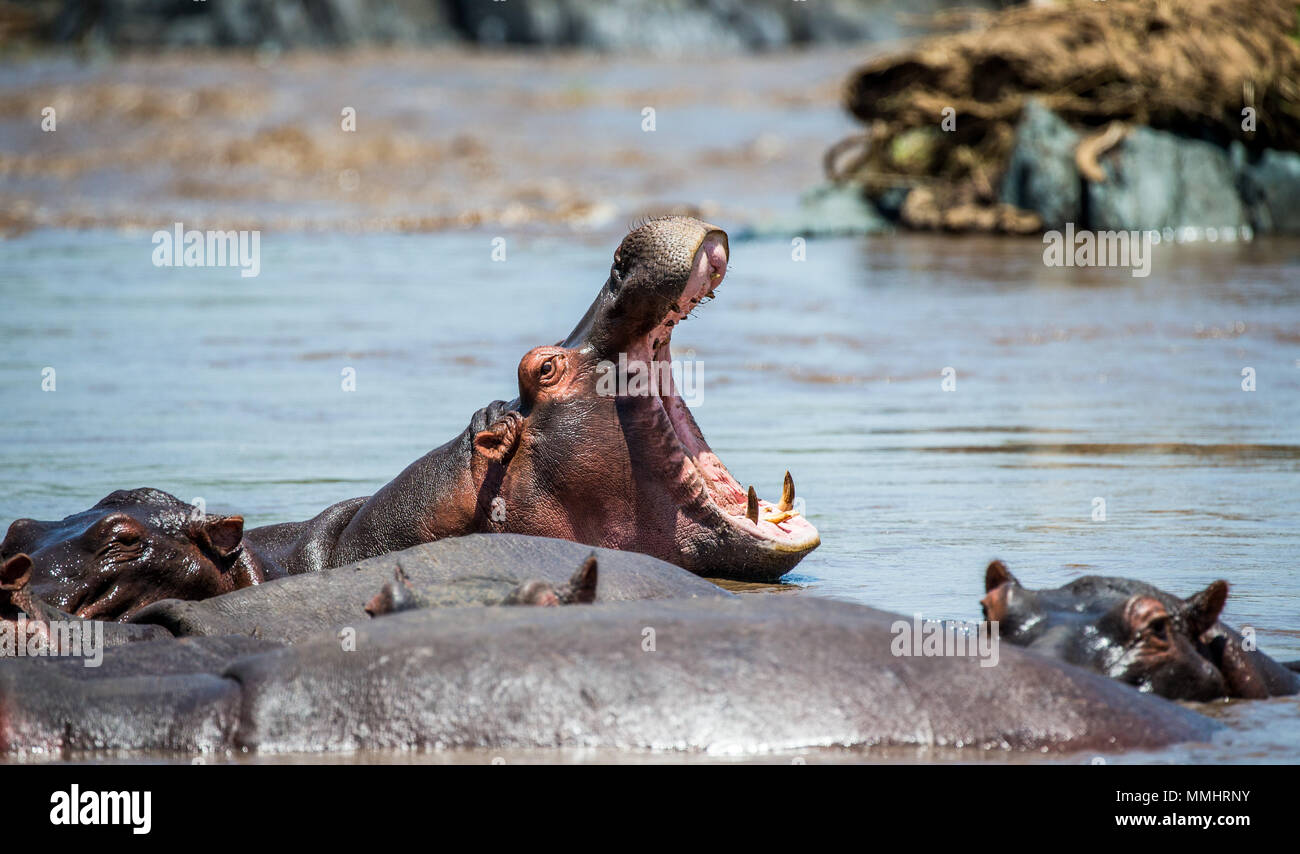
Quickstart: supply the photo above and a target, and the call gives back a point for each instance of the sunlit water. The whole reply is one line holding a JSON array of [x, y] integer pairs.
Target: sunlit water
[[1070, 386]]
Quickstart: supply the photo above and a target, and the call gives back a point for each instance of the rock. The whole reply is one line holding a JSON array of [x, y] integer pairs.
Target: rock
[[824, 211], [1041, 175], [1270, 188], [1157, 180]]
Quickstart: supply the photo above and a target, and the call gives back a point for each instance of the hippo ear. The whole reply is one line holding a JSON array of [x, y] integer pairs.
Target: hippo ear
[[498, 441], [996, 575], [1202, 610], [581, 589], [218, 535], [15, 572], [394, 596]]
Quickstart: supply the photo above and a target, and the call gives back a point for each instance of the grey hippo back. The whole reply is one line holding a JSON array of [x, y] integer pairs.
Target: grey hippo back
[[291, 609]]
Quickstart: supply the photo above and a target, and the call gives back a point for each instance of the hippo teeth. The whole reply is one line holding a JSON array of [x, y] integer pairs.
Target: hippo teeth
[[787, 494], [751, 507]]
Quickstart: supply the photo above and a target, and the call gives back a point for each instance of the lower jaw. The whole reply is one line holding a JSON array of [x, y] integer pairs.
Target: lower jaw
[[722, 551]]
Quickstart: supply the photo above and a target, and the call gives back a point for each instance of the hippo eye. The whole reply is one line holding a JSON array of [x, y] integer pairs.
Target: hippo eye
[[1158, 627], [547, 369]]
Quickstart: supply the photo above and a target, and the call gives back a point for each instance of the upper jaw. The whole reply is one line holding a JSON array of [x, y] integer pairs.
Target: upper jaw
[[626, 315], [714, 533]]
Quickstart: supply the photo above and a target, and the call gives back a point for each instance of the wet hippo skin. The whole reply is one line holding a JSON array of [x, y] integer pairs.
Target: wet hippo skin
[[745, 674], [291, 609], [748, 674], [1137, 633]]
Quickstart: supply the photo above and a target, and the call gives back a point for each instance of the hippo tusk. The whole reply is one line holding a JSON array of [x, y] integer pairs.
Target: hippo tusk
[[751, 508], [787, 494]]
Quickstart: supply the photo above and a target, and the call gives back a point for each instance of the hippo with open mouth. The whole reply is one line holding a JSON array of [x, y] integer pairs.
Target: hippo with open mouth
[[570, 458], [585, 453], [1137, 633]]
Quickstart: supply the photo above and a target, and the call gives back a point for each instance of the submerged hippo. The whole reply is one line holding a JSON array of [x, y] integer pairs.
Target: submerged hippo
[[580, 455], [132, 548], [401, 594], [725, 674], [477, 569], [1136, 633]]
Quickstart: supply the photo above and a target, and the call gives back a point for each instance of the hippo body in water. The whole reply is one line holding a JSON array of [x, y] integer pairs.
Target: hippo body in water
[[475, 569], [598, 448], [723, 674], [1137, 633]]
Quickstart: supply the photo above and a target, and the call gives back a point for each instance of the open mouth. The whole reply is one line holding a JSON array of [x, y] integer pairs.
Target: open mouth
[[757, 535]]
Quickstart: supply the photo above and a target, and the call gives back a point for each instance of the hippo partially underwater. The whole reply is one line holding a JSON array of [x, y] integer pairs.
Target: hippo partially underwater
[[573, 459], [477, 569], [712, 672], [569, 458], [1137, 633], [662, 660]]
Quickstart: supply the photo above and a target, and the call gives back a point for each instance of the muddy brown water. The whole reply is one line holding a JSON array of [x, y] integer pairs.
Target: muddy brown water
[[1072, 385]]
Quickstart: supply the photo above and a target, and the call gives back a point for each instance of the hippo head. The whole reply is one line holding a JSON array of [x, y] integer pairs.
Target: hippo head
[[600, 447], [132, 548], [1158, 648], [1127, 630]]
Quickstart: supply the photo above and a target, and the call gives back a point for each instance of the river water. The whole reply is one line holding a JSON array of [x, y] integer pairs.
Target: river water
[[1072, 387]]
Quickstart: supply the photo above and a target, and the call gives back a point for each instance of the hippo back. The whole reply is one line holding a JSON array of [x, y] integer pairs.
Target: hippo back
[[452, 571]]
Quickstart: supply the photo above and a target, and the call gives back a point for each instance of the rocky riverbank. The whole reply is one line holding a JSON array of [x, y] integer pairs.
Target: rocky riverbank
[[1129, 114]]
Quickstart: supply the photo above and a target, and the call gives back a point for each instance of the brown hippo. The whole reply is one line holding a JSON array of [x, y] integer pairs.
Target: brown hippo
[[1136, 633], [577, 458], [132, 548]]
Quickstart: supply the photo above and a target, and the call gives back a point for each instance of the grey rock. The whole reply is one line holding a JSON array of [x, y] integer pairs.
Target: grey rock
[[1157, 180], [1041, 175], [1271, 190], [826, 210]]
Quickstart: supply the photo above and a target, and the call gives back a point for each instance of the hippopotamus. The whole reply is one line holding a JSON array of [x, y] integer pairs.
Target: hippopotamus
[[132, 548], [589, 451], [401, 595], [160, 695], [749, 674], [598, 448], [1137, 633], [477, 569], [26, 619]]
